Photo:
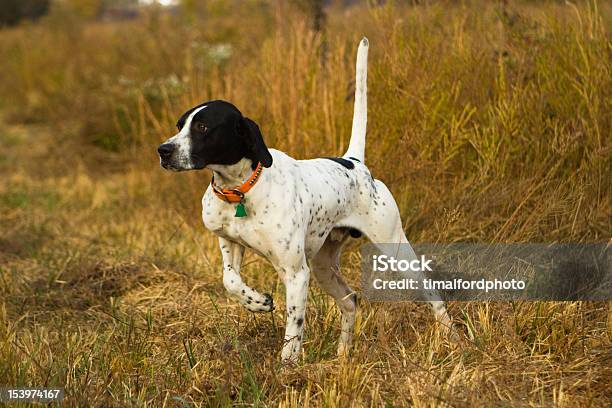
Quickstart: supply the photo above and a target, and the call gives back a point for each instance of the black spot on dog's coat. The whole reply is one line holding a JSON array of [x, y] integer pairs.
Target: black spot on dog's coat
[[343, 162], [355, 233]]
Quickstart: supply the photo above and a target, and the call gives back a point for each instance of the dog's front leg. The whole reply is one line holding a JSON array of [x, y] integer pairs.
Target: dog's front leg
[[254, 301], [296, 288]]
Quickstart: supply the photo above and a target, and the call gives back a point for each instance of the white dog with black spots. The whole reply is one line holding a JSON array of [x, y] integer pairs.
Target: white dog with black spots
[[296, 213]]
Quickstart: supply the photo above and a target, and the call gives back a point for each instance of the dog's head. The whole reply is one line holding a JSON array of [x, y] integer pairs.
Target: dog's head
[[214, 132]]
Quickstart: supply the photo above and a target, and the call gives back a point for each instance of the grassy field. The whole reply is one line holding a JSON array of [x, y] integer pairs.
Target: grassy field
[[489, 123]]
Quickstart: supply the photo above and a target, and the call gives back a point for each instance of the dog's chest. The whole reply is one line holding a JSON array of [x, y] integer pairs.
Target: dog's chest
[[220, 218]]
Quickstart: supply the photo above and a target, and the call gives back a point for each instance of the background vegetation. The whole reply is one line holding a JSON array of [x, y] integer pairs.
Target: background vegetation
[[490, 122]]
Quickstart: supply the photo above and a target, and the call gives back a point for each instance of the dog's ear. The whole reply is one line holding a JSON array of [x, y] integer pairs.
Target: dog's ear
[[254, 140]]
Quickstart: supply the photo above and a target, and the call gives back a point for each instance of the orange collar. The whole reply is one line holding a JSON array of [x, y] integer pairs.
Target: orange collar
[[236, 195]]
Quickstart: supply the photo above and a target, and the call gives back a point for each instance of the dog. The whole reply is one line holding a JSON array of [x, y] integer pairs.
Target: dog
[[296, 213]]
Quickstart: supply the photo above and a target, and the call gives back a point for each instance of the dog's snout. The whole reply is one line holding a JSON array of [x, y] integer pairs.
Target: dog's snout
[[165, 150]]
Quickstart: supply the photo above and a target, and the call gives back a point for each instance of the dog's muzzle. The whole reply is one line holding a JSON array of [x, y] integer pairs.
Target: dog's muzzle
[[165, 151]]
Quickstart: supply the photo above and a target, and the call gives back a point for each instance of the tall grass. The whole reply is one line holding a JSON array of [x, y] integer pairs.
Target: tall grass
[[506, 105], [489, 123]]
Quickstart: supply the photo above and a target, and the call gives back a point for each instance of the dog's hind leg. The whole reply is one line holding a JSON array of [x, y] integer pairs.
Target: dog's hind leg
[[254, 301], [379, 219], [326, 269]]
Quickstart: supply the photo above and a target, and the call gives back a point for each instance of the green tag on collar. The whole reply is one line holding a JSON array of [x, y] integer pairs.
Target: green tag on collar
[[240, 211]]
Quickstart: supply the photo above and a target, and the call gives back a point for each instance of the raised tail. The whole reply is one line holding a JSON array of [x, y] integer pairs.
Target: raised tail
[[356, 147]]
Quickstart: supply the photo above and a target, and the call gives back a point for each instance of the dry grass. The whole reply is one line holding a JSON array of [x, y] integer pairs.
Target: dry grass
[[489, 124]]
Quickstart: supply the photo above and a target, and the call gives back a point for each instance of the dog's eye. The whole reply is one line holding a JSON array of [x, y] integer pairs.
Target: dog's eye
[[201, 127]]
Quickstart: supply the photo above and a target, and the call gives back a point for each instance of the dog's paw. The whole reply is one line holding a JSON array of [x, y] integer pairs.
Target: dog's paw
[[268, 302], [263, 303], [453, 335]]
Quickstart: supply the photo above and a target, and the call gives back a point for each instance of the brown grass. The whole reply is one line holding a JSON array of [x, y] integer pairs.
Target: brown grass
[[489, 124]]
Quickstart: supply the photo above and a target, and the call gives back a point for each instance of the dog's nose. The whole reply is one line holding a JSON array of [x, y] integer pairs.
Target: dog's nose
[[165, 150]]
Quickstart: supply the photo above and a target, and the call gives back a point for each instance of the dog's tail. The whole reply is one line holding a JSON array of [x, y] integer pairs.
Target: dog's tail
[[356, 147]]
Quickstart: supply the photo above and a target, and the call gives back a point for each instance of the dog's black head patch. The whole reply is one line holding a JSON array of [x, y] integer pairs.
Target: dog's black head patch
[[214, 132]]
